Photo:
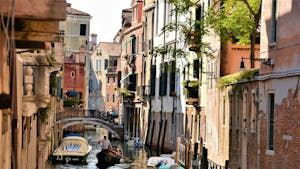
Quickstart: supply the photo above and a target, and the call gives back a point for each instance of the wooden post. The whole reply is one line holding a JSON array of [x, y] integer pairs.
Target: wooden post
[[194, 164], [204, 161], [187, 154], [227, 164], [178, 149]]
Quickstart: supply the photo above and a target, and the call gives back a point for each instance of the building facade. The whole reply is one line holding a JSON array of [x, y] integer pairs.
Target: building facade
[[106, 66], [76, 30], [29, 54], [132, 67], [278, 89]]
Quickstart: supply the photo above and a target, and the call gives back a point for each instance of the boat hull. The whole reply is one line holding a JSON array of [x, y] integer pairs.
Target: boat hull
[[106, 159], [69, 159], [73, 149]]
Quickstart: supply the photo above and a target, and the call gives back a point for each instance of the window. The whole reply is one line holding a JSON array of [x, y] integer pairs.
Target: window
[[273, 29], [119, 78], [108, 80], [253, 112], [113, 61], [134, 45], [113, 98], [83, 30], [73, 74], [196, 69], [107, 98], [114, 80], [97, 65], [106, 64], [152, 80], [172, 77], [163, 79], [271, 122]]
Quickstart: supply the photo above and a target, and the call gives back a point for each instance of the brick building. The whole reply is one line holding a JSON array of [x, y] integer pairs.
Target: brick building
[[132, 68], [278, 135]]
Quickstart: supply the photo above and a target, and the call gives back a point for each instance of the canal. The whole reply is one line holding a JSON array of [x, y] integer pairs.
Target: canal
[[134, 158]]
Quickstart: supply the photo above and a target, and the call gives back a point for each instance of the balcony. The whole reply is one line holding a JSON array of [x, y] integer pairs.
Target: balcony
[[143, 91], [111, 70], [191, 92]]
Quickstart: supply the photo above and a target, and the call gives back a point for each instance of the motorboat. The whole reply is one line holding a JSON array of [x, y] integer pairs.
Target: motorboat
[[73, 149], [108, 158], [135, 142], [157, 161]]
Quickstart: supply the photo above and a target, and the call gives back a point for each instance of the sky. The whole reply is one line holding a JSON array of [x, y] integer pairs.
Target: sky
[[106, 16]]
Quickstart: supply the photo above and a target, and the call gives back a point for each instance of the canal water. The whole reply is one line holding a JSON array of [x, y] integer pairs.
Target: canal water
[[134, 158]]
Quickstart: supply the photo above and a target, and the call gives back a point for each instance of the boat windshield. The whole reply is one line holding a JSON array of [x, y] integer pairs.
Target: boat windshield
[[71, 147]]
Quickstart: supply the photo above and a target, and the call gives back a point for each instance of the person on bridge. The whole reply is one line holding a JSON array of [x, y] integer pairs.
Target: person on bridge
[[105, 144]]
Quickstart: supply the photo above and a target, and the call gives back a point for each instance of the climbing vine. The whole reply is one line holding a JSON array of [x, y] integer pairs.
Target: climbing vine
[[43, 113], [237, 77]]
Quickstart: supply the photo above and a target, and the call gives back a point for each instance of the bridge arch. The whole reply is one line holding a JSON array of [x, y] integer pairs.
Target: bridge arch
[[112, 128]]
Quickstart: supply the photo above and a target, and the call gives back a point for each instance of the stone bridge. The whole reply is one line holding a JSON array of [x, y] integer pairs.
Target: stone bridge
[[76, 118]]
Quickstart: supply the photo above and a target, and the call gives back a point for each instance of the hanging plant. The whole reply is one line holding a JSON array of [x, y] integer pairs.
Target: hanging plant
[[125, 92], [237, 77], [190, 83], [43, 113]]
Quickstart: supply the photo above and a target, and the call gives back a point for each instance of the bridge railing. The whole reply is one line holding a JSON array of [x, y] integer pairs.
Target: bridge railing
[[71, 112]]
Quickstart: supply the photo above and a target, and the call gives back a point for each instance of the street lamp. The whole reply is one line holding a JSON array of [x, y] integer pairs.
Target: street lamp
[[267, 61]]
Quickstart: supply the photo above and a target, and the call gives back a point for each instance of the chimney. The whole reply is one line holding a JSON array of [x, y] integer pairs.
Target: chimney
[[94, 38]]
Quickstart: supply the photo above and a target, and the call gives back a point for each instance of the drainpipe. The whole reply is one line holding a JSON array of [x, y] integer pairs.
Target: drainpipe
[[258, 142]]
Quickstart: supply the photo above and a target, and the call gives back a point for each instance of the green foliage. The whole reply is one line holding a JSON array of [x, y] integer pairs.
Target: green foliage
[[125, 92], [192, 83], [236, 19], [43, 113], [51, 59], [237, 77], [72, 102]]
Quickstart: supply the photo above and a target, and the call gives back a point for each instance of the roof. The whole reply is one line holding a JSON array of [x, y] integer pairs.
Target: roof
[[73, 11]]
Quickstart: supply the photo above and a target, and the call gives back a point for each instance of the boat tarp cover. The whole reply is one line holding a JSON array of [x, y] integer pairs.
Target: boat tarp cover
[[73, 146]]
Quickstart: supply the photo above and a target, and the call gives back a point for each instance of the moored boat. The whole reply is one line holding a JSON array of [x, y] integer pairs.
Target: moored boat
[[73, 149], [108, 158]]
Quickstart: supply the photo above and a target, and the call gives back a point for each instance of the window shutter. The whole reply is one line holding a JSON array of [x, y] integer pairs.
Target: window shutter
[[59, 89], [172, 77], [153, 79], [163, 79], [132, 82], [106, 64], [119, 78], [196, 69]]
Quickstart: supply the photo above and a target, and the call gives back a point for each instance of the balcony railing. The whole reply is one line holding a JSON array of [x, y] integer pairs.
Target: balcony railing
[[143, 91], [191, 94], [112, 70]]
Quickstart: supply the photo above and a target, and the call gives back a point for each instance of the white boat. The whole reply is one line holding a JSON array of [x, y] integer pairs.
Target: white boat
[[131, 143], [158, 161], [72, 149], [135, 142]]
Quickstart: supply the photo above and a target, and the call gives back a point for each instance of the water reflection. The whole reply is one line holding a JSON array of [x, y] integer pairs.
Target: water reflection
[[134, 158]]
